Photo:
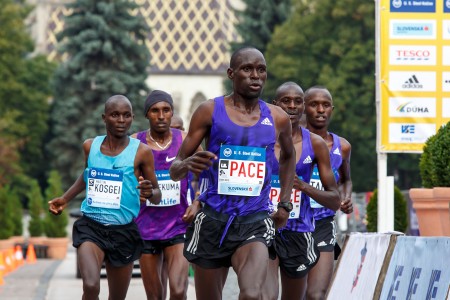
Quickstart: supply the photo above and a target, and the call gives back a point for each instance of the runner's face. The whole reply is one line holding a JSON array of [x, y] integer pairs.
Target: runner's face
[[318, 109], [118, 117], [249, 75], [177, 124], [290, 99], [160, 115]]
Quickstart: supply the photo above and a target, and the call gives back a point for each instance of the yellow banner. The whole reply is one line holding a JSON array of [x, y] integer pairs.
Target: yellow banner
[[414, 80]]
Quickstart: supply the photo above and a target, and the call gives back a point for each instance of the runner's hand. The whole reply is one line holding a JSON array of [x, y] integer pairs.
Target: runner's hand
[[280, 218], [191, 211], [347, 206], [57, 205], [200, 161], [146, 189], [298, 184]]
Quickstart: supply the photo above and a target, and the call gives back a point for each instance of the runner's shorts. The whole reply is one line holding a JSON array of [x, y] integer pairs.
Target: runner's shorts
[[157, 246], [297, 252], [203, 245], [122, 244], [325, 234]]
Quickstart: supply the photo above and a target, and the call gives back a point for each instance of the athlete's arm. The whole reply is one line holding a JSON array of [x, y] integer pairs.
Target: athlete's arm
[[145, 170], [286, 162], [345, 180], [57, 205], [329, 197], [187, 159]]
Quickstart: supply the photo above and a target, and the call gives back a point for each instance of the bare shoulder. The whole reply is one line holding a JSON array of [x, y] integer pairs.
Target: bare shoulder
[[317, 142], [346, 147], [134, 135], [276, 111]]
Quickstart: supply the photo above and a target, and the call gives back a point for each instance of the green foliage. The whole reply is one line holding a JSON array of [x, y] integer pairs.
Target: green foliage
[[105, 44], [35, 200], [435, 160], [332, 43], [257, 23], [55, 226], [6, 208], [400, 212], [16, 213], [24, 90]]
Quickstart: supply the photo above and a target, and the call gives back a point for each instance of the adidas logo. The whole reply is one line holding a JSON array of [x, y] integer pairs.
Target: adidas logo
[[336, 151], [301, 268], [252, 237], [307, 160], [412, 82], [266, 121], [321, 244]]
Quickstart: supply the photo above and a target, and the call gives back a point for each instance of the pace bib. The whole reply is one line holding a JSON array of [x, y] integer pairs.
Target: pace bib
[[296, 197], [170, 190], [242, 170], [104, 188], [316, 183]]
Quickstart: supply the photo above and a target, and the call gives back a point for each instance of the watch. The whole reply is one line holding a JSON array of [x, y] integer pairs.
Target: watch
[[286, 205]]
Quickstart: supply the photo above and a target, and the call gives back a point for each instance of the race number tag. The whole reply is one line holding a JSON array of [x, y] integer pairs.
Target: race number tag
[[296, 197], [170, 190], [104, 188], [242, 170], [316, 183]]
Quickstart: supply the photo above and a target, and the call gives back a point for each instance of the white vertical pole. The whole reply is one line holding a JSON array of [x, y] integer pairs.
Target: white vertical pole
[[384, 208], [389, 222]]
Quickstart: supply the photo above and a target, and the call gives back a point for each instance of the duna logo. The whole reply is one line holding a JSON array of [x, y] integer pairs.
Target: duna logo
[[397, 3]]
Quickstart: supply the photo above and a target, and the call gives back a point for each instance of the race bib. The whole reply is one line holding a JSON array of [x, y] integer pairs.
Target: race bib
[[170, 190], [316, 183], [242, 170], [104, 188], [296, 197]]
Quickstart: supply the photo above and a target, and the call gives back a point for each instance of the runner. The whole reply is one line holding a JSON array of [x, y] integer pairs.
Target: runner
[[234, 228], [107, 232], [163, 226], [319, 109], [294, 244]]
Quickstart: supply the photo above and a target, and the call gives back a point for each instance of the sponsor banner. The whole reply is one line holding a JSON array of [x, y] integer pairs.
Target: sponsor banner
[[412, 81], [417, 6], [446, 81], [359, 266], [446, 29], [446, 55], [412, 29], [447, 6], [412, 55], [412, 107], [446, 107], [418, 269], [410, 133]]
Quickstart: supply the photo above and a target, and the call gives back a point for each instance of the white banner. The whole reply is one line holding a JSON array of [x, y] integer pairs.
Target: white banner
[[359, 267], [419, 269]]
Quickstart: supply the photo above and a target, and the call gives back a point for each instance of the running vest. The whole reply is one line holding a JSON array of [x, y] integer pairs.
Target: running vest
[[303, 169], [320, 211], [163, 221], [111, 194], [239, 180]]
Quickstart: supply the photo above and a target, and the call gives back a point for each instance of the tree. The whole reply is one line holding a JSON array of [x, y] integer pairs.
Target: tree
[[24, 89], [257, 23], [6, 220], [332, 43], [35, 200], [105, 44], [55, 226], [400, 212]]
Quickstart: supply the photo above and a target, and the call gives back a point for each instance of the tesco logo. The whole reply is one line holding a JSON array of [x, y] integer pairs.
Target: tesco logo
[[412, 55]]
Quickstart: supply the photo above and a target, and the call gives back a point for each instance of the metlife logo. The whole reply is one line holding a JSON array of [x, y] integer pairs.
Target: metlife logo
[[412, 55], [446, 55], [412, 81], [413, 6], [410, 133], [446, 29], [446, 81], [412, 107], [412, 29], [446, 107]]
